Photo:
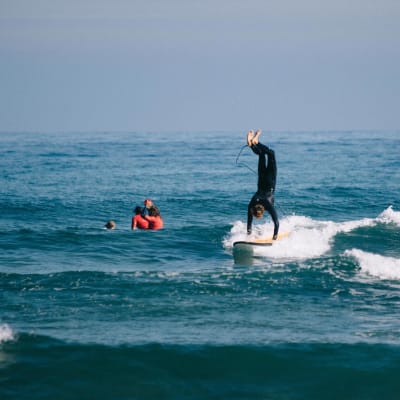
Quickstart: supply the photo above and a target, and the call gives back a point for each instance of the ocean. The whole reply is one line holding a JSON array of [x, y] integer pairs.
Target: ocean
[[90, 313]]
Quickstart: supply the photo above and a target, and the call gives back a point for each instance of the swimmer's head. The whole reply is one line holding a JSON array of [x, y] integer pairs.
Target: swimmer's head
[[110, 225], [154, 211], [148, 203], [138, 210]]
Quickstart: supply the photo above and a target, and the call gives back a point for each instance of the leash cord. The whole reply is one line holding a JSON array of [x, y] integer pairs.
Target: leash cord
[[242, 164]]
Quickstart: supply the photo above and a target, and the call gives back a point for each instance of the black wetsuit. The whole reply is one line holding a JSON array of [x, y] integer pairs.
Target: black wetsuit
[[266, 185]]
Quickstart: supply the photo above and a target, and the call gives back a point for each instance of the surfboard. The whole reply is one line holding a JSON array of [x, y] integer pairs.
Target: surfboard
[[263, 241]]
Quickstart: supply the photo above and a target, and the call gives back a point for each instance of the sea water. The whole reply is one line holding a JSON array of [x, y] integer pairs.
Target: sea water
[[89, 313]]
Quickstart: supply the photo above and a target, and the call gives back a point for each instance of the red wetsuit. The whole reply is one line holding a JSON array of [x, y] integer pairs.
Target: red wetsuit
[[154, 222], [139, 222]]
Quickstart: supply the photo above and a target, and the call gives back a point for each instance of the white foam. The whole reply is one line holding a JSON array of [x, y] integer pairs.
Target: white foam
[[6, 333], [308, 238], [376, 265], [389, 216]]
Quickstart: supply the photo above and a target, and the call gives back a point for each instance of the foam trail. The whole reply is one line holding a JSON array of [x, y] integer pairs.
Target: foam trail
[[308, 238], [375, 264]]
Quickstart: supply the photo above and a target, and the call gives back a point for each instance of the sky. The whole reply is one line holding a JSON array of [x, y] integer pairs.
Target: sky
[[199, 65]]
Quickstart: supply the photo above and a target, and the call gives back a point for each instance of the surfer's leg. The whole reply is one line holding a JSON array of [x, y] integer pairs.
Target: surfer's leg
[[266, 170], [262, 172], [271, 168]]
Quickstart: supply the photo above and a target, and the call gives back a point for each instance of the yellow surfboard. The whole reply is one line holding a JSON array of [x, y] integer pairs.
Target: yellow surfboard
[[263, 241]]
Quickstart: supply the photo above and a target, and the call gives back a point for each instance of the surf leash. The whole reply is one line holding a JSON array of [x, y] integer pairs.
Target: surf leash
[[242, 164]]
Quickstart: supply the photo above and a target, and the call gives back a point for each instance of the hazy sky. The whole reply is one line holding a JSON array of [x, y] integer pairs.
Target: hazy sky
[[126, 65]]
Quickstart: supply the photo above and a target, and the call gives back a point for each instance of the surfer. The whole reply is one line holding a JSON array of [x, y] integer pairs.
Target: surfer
[[263, 199]]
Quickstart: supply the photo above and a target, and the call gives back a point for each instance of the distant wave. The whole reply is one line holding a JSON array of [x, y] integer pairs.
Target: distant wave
[[195, 372]]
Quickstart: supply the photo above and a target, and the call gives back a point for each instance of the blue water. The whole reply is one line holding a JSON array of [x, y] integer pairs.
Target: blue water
[[88, 313]]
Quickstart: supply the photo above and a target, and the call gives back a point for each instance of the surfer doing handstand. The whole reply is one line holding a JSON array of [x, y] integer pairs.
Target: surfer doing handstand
[[263, 199]]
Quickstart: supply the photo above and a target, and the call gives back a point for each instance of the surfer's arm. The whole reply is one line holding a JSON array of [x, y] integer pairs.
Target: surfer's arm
[[276, 222], [249, 219]]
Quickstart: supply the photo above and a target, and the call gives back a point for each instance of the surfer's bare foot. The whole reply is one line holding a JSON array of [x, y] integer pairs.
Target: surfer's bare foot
[[250, 135], [255, 138], [274, 237]]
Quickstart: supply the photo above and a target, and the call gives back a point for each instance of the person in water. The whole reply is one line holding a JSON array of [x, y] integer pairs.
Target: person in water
[[110, 225], [147, 204], [138, 221], [154, 218], [263, 199]]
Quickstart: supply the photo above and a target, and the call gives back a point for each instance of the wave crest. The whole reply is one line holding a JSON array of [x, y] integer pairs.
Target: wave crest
[[6, 333], [376, 265]]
